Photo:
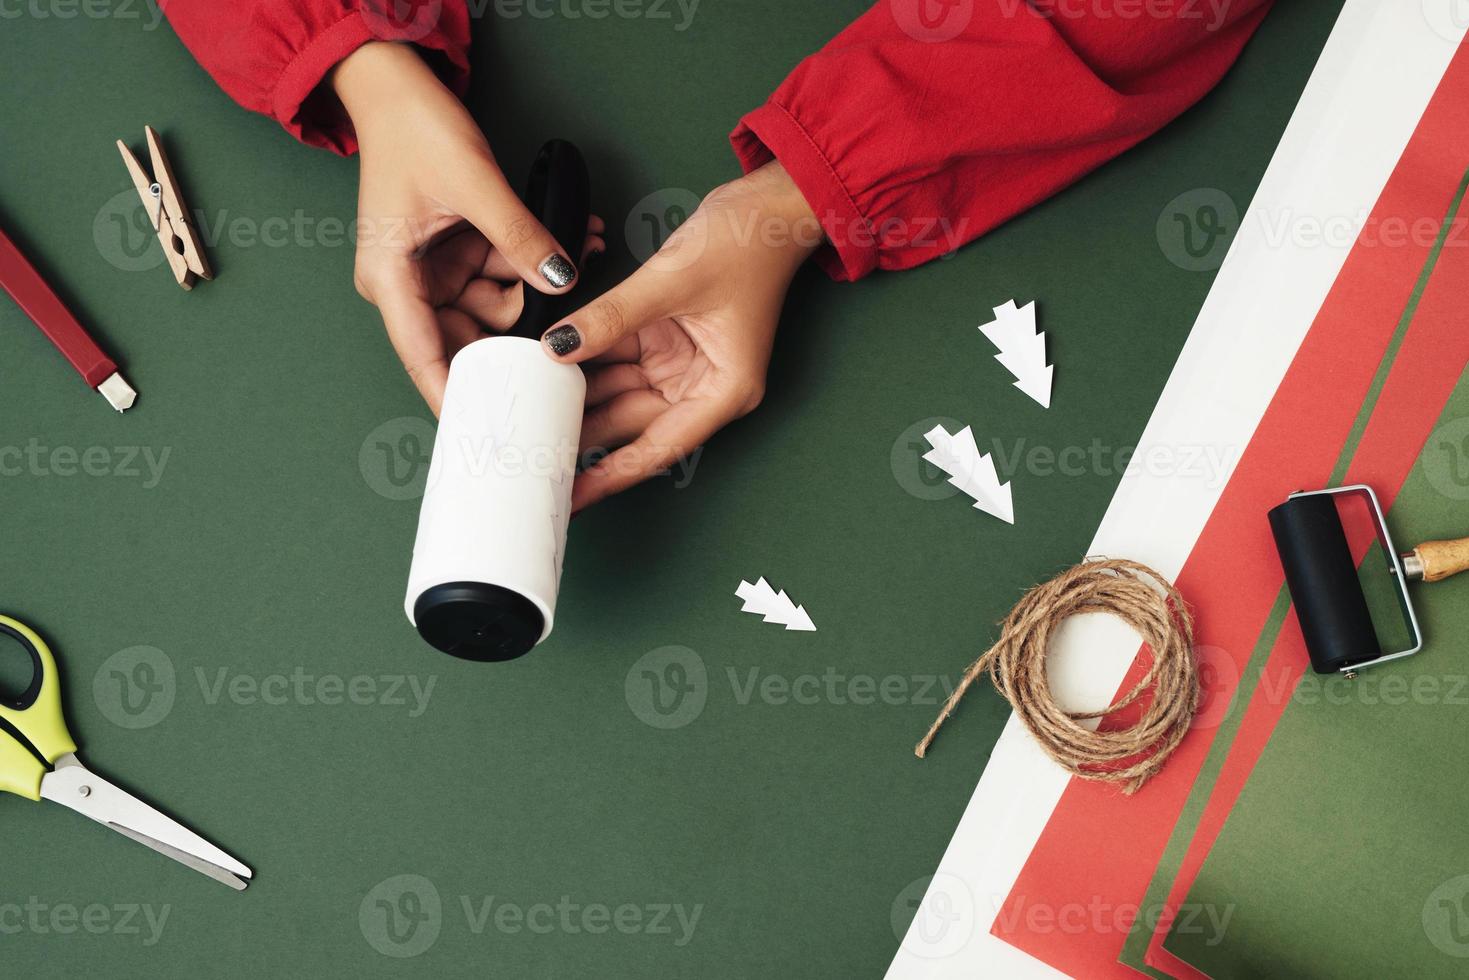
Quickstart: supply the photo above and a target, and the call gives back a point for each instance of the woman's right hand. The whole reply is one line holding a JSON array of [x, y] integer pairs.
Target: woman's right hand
[[681, 347]]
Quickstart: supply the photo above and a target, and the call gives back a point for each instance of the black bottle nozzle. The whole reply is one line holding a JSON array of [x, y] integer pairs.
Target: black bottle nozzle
[[559, 195]]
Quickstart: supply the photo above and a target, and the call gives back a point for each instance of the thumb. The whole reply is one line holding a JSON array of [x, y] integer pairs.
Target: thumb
[[500, 215], [596, 328]]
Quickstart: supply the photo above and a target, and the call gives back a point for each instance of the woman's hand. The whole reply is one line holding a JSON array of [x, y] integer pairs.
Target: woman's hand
[[681, 347], [444, 244]]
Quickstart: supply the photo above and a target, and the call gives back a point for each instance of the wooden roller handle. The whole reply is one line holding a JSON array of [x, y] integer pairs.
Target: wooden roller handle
[[1441, 559]]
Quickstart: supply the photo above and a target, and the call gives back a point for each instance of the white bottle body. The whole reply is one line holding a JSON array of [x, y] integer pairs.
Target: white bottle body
[[498, 495]]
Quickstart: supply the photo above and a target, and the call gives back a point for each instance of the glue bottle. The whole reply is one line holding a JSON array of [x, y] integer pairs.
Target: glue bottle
[[492, 527]]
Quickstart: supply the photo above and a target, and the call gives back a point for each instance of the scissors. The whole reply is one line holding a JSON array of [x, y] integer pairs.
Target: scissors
[[33, 730]]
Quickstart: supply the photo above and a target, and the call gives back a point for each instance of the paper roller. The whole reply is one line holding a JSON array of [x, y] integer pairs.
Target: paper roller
[[1324, 585], [492, 528]]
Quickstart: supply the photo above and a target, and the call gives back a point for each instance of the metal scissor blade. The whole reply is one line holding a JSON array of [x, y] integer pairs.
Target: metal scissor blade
[[76, 787], [183, 857]]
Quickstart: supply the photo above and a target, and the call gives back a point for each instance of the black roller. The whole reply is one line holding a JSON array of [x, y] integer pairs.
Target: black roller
[[1323, 583]]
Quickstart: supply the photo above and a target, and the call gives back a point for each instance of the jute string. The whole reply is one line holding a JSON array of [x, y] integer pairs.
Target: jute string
[[1147, 602]]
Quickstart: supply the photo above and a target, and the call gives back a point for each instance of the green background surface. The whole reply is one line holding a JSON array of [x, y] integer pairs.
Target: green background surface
[[1345, 855], [273, 543]]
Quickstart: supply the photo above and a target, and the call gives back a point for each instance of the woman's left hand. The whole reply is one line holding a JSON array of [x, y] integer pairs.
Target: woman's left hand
[[445, 247]]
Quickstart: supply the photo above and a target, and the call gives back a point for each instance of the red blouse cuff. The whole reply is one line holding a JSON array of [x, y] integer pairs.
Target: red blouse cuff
[[310, 111], [771, 132]]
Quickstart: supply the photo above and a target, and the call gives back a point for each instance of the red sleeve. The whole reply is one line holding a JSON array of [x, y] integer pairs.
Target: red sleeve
[[928, 122], [271, 55]]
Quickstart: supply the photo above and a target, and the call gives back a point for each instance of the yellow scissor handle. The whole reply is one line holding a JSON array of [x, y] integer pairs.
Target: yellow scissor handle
[[36, 715]]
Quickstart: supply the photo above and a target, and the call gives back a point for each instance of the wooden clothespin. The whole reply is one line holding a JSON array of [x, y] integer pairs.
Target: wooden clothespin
[[167, 212]]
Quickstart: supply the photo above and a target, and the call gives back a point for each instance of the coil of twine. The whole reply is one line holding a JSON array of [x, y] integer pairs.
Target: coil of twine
[[1147, 602]]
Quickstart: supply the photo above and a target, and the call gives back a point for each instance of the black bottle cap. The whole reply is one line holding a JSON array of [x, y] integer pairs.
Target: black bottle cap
[[476, 621]]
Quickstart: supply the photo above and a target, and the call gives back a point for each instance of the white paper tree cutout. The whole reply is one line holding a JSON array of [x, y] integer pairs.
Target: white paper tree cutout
[[776, 607], [1022, 349], [970, 470]]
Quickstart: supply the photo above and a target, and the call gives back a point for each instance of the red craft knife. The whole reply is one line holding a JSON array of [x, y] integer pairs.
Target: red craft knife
[[41, 304]]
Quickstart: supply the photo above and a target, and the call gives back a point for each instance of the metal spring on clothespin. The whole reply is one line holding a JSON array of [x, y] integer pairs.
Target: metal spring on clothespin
[[156, 190]]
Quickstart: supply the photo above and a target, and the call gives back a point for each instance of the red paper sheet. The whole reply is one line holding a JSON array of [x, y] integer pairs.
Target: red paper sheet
[[1100, 848]]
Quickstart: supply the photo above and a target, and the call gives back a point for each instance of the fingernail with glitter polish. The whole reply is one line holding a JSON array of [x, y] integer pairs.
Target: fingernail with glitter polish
[[563, 340], [557, 271]]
